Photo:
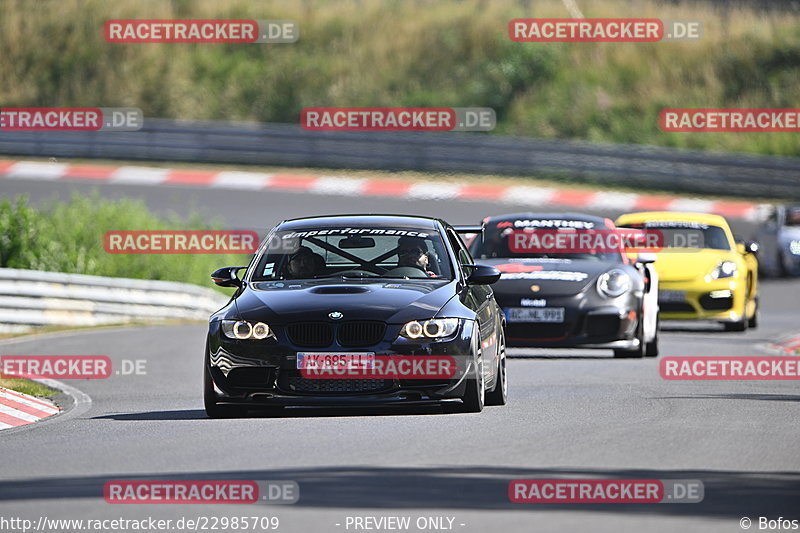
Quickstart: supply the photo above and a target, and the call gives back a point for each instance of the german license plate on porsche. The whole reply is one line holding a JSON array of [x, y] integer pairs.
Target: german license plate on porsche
[[667, 296], [535, 314], [334, 360]]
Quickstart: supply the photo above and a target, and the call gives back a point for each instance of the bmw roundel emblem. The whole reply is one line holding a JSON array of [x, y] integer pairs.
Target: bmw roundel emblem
[[335, 315]]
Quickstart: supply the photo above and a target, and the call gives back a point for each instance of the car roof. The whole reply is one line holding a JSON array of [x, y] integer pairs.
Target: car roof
[[677, 216], [340, 221], [547, 216]]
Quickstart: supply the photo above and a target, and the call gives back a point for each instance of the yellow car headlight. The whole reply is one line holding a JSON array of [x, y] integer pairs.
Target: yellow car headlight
[[725, 269]]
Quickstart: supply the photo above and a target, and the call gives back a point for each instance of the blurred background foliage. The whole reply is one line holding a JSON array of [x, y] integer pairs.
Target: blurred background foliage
[[415, 53]]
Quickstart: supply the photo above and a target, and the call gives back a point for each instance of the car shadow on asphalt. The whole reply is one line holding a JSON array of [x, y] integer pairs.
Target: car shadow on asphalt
[[293, 412], [727, 493]]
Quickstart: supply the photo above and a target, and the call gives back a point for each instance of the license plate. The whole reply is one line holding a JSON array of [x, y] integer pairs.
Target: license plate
[[671, 296], [535, 314], [333, 360]]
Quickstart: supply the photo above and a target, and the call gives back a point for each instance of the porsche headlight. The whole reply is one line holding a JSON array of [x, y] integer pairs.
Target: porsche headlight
[[794, 247], [613, 283], [726, 269], [436, 328], [242, 330]]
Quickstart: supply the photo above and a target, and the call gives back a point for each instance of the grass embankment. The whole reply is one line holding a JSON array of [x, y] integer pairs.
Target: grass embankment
[[26, 386], [414, 53], [68, 237]]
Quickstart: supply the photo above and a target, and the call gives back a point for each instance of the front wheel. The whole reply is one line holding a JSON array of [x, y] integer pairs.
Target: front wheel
[[499, 396], [473, 399], [651, 348], [739, 325], [639, 351], [752, 322]]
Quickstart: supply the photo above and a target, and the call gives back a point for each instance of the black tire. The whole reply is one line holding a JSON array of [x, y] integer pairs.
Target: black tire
[[213, 409], [752, 322], [474, 396], [651, 348], [783, 272], [499, 396], [638, 352], [739, 325]]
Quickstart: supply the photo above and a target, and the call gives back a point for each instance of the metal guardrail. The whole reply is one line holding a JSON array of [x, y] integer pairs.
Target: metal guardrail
[[35, 298], [290, 145]]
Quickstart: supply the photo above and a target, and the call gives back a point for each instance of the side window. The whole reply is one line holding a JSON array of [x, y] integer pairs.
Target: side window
[[461, 252]]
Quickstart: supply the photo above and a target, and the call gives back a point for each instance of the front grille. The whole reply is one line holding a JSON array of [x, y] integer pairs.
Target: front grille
[[301, 384], [716, 304], [537, 331], [310, 334], [675, 307], [360, 333], [602, 325]]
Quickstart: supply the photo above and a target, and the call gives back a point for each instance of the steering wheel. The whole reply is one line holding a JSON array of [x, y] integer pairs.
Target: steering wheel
[[408, 271]]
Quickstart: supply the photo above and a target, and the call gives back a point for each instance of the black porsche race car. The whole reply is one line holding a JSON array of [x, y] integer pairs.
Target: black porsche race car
[[567, 282], [349, 310]]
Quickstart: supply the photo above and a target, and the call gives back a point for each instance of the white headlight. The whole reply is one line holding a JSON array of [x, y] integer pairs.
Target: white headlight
[[794, 247], [242, 330], [726, 269], [613, 283], [260, 331], [435, 328], [412, 330]]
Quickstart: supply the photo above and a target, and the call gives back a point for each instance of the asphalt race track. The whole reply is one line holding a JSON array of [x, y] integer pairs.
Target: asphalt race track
[[575, 413]]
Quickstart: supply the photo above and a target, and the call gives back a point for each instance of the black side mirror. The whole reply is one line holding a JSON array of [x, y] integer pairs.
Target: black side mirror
[[226, 277], [483, 275], [751, 247]]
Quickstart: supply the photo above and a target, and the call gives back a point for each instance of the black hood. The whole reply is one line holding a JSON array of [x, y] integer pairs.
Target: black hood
[[391, 301], [555, 277]]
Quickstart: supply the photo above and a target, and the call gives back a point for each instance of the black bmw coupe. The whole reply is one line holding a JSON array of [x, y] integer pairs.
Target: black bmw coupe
[[353, 310]]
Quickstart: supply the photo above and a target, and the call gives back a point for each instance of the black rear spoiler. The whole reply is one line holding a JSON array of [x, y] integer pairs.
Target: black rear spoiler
[[468, 229]]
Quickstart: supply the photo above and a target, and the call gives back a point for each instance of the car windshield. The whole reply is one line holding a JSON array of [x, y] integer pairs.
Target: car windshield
[[686, 234], [354, 253], [502, 241], [793, 216]]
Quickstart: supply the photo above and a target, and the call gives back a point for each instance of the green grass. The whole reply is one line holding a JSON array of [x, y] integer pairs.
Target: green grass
[[413, 53], [26, 386], [68, 237]]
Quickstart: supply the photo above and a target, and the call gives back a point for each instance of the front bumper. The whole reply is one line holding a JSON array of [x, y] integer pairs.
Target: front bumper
[[264, 373], [719, 300], [587, 324]]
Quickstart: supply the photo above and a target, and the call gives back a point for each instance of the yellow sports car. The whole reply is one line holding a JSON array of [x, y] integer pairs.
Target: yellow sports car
[[704, 274]]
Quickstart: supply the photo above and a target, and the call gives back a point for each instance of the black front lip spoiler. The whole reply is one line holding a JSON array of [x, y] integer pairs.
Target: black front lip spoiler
[[261, 399]]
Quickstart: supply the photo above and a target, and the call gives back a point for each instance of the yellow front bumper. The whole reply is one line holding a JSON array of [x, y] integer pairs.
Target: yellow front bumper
[[720, 300]]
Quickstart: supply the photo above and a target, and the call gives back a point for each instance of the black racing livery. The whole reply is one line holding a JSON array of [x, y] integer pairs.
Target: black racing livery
[[565, 300], [386, 285]]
